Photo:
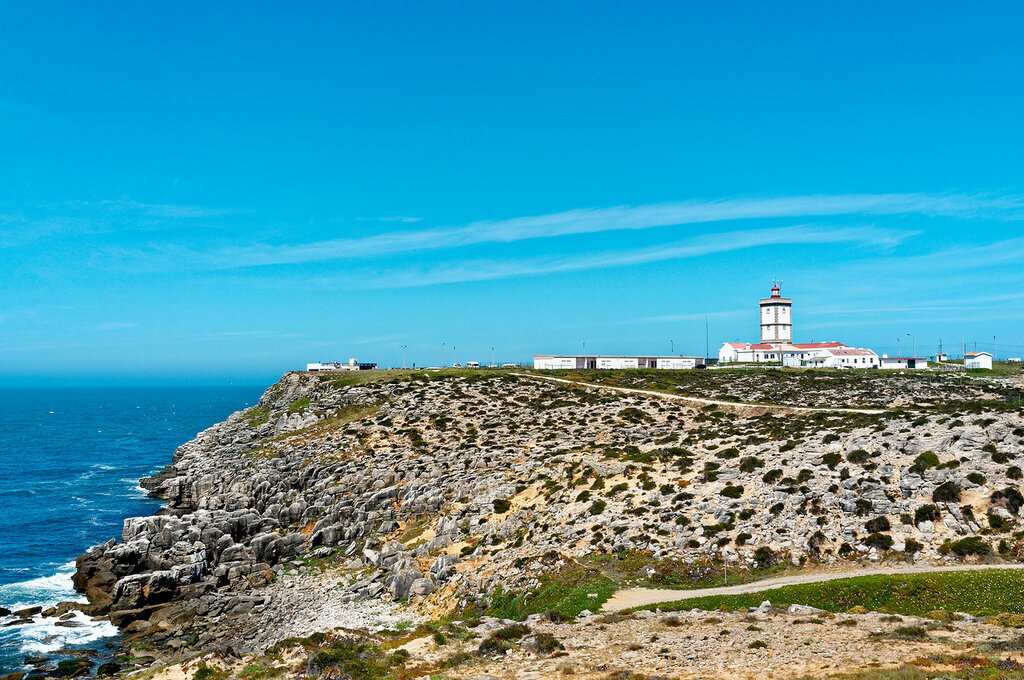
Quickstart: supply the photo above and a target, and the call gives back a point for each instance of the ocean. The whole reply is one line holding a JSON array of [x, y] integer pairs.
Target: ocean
[[70, 464]]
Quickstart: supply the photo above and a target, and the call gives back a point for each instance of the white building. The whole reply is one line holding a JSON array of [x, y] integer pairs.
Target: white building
[[776, 318], [902, 363], [352, 365], [583, 362], [978, 360], [777, 346], [844, 357]]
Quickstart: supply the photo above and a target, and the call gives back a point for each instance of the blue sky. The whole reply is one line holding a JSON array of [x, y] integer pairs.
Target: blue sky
[[207, 194]]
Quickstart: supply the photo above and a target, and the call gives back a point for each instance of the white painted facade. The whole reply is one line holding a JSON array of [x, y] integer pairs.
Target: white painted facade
[[845, 357], [352, 365], [978, 360], [550, 363], [609, 362], [776, 318], [902, 363]]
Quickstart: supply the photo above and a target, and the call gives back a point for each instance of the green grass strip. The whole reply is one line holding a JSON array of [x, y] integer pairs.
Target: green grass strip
[[980, 593]]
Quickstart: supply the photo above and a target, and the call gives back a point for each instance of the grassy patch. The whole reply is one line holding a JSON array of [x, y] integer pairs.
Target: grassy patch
[[568, 593], [299, 404], [259, 415], [981, 593]]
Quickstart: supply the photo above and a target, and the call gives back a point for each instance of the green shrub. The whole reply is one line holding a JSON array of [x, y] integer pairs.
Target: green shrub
[[501, 505], [597, 507], [764, 556], [858, 456], [501, 640], [1011, 497], [731, 491], [772, 476], [926, 513], [880, 541], [750, 463], [831, 460], [997, 522], [545, 644], [976, 478], [947, 492], [926, 460], [912, 546], [877, 524], [972, 545]]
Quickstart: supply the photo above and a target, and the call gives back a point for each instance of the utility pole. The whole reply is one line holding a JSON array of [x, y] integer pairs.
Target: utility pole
[[899, 353], [454, 360], [994, 353], [707, 341], [914, 338], [442, 355], [403, 356], [492, 357], [672, 346]]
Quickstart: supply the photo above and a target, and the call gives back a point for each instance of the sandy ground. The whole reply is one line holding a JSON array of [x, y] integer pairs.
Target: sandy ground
[[638, 597]]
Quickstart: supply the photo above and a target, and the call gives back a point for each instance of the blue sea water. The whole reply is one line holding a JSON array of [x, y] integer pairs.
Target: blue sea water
[[70, 464]]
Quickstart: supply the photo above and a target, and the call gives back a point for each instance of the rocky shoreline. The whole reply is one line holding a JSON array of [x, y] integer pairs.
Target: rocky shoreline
[[340, 503]]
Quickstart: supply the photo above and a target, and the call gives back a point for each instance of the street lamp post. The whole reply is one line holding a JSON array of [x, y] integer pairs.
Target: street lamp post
[[672, 344], [442, 355], [403, 356], [492, 357], [899, 352]]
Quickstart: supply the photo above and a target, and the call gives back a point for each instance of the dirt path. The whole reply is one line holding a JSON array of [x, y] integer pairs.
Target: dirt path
[[639, 597], [700, 400]]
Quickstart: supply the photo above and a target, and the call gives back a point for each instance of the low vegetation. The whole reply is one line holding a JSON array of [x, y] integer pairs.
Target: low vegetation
[[980, 593]]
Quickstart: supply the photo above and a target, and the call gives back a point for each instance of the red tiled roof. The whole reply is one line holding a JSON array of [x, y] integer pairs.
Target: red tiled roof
[[737, 345], [762, 347], [849, 351], [819, 345]]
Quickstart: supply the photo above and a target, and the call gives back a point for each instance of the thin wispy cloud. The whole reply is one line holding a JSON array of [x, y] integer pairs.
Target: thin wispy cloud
[[395, 218], [481, 270], [583, 221]]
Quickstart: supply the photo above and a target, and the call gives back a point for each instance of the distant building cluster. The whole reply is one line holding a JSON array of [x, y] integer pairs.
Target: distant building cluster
[[777, 346], [352, 365]]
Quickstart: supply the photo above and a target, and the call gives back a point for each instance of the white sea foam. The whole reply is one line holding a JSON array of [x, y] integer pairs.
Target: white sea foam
[[43, 635], [43, 591]]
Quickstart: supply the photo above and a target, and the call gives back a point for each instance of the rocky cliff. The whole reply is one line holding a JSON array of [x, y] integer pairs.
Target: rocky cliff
[[445, 491]]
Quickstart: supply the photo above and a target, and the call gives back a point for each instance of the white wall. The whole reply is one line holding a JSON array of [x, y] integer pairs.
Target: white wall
[[554, 363], [980, 361], [677, 363]]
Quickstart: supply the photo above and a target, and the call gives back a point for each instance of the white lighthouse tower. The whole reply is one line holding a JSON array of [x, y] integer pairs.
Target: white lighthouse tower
[[776, 318]]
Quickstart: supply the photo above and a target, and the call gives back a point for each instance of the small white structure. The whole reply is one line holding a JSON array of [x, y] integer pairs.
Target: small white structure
[[583, 362], [978, 360], [902, 363], [941, 357], [352, 365], [844, 357]]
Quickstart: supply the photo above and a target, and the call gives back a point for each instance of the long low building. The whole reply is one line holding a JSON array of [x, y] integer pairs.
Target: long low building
[[604, 361], [352, 365]]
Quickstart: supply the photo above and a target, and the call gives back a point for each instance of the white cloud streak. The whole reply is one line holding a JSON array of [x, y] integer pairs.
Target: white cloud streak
[[588, 221], [481, 270]]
